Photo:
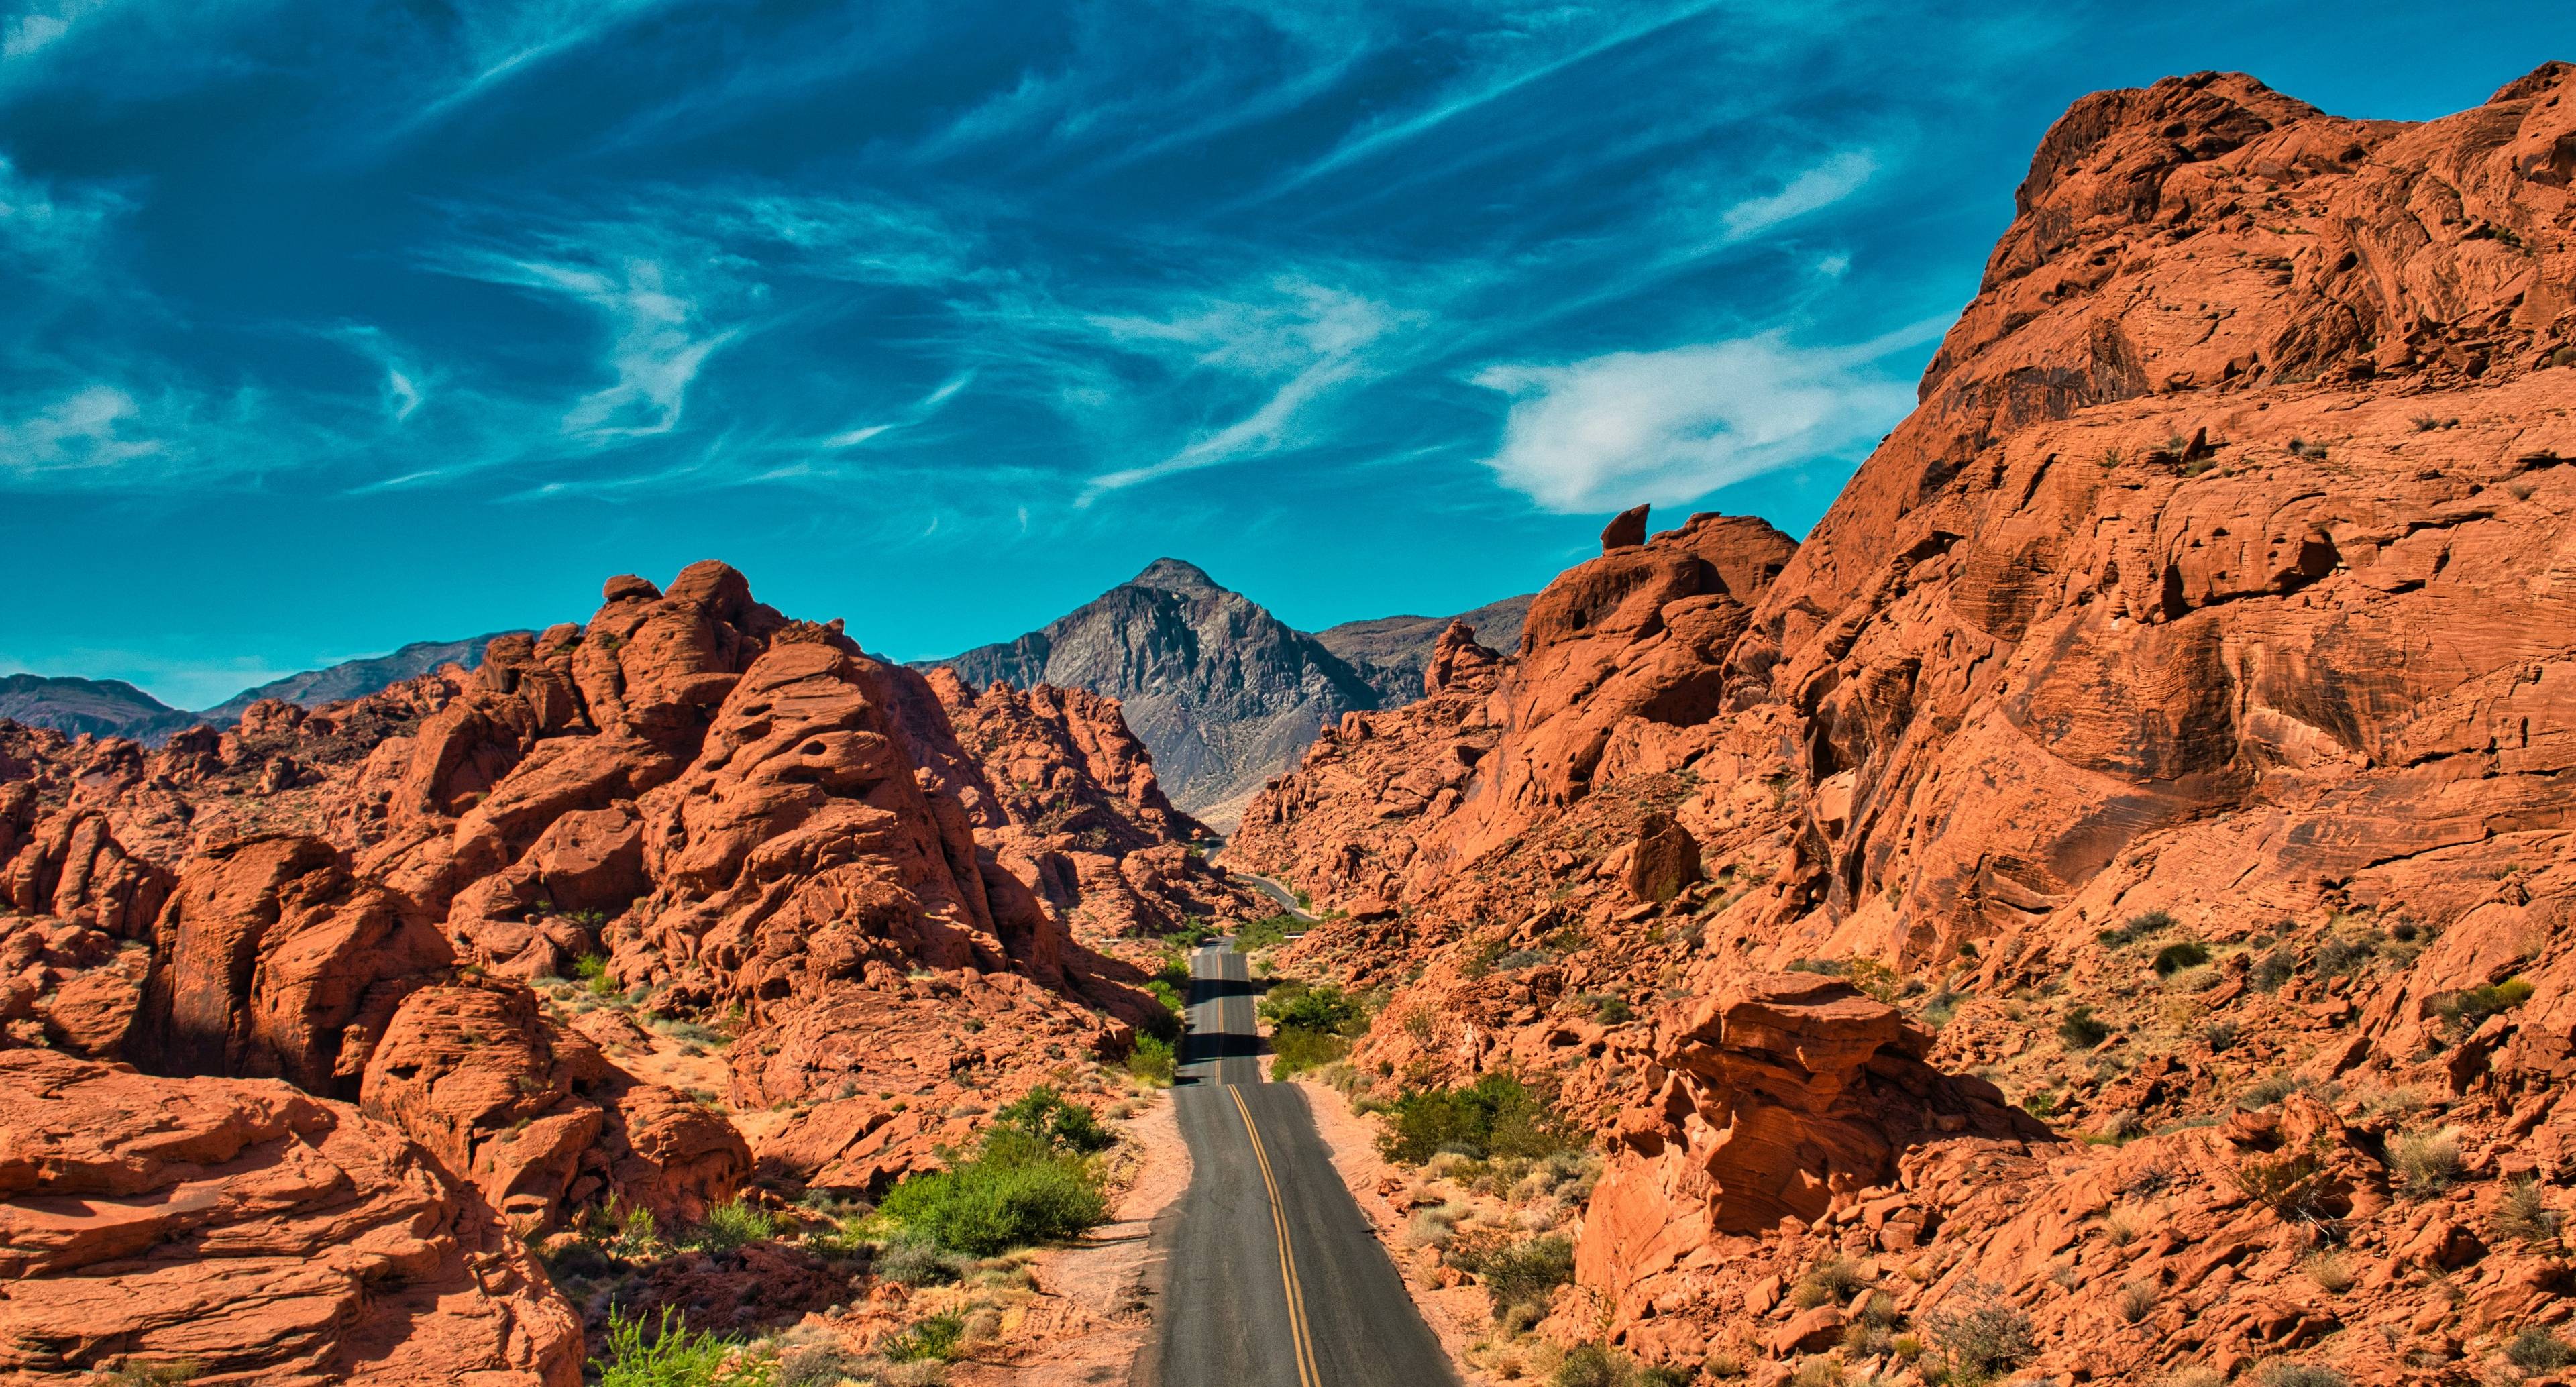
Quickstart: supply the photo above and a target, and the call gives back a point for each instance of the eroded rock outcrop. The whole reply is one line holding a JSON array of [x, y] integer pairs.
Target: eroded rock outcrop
[[2174, 698], [260, 1234]]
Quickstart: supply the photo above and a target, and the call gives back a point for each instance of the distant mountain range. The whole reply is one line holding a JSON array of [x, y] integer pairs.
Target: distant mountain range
[[114, 708], [1225, 694]]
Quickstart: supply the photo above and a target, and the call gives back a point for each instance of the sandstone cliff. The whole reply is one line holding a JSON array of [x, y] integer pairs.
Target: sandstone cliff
[[2168, 717]]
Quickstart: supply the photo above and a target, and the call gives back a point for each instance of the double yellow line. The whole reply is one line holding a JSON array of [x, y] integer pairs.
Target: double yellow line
[[1297, 1331]]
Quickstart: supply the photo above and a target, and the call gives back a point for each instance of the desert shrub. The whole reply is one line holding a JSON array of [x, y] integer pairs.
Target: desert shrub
[[2040, 1104], [1497, 1115], [1294, 1051], [1262, 934], [2139, 926], [730, 1225], [1164, 1021], [2181, 954], [1318, 1008], [2331, 1270], [2080, 1030], [2138, 1300], [2265, 1091], [1829, 1280], [2272, 970], [2470, 1006], [1872, 1328], [2290, 1183], [1607, 1008], [818, 1365], [1591, 1365], [2219, 1036], [2284, 1372], [1152, 1060], [2535, 1349], [1022, 1189], [134, 1372], [1830, 967], [936, 1337], [1049, 1117], [2346, 953], [2425, 1163], [2522, 1215], [1522, 1273], [1979, 1333], [1817, 1372], [913, 1261], [643, 1353], [1662, 1375], [1881, 982]]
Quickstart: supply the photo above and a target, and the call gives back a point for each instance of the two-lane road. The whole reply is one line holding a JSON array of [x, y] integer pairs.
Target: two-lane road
[[1273, 1278]]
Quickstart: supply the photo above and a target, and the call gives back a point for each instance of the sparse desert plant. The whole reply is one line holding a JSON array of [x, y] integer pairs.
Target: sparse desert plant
[[1829, 1280], [2138, 1299], [2080, 1030], [936, 1337], [915, 1261], [1592, 1365], [1498, 1115], [1152, 1061], [2469, 1006], [135, 1372], [730, 1225], [1523, 1273], [1979, 1333], [2331, 1270], [2289, 1372], [2523, 1215], [643, 1353], [2181, 954], [2272, 970], [2290, 1183], [1818, 1372], [2425, 1163], [818, 1365], [2538, 1350], [2120, 1228]]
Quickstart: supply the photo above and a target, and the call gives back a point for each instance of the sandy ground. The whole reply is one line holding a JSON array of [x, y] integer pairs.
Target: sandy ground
[[1457, 1314], [1094, 1309]]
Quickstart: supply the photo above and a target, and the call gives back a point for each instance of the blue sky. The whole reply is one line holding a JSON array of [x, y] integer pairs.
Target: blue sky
[[332, 325]]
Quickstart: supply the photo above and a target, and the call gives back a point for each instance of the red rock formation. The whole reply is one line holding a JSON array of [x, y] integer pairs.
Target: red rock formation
[[536, 1118], [262, 1235], [2208, 601]]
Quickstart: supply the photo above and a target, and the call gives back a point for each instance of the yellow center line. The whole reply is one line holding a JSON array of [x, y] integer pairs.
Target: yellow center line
[[1297, 1330]]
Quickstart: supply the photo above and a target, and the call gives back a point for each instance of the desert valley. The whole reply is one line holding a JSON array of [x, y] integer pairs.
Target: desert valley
[[2099, 908]]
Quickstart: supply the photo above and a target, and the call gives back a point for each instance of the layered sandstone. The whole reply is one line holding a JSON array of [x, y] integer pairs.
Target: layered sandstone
[[2175, 697]]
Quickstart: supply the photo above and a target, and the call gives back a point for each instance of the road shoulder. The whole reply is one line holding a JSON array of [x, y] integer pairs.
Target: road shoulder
[[1457, 1315]]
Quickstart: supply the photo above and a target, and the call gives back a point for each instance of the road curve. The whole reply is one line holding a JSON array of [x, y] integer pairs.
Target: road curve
[[1272, 1277], [1277, 891]]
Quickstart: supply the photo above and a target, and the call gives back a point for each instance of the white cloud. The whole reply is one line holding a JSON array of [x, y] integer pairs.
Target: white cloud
[[657, 344], [920, 411], [25, 35], [50, 234], [1813, 190], [1317, 338], [1673, 425], [87, 429]]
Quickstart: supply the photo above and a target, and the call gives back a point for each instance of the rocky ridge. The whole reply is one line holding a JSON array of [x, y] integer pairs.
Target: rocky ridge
[[2161, 732], [813, 920]]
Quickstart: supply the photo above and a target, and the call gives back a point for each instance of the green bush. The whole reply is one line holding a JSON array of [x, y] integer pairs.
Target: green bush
[[1591, 1365], [1164, 1022], [1295, 1050], [1152, 1060], [2174, 957], [936, 1337], [1322, 1007], [2080, 1030], [1062, 1125], [669, 1354], [1522, 1273], [2472, 1005], [1024, 1188], [1497, 1115], [730, 1225], [1262, 934]]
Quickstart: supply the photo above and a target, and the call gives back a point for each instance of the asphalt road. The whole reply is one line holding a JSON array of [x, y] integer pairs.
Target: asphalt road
[[1273, 1277], [1287, 899]]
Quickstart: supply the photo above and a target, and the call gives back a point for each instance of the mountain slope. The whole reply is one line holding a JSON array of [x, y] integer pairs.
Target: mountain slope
[[356, 678], [114, 708], [1392, 651], [1223, 692], [99, 707]]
